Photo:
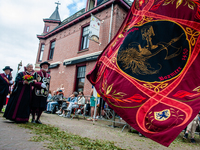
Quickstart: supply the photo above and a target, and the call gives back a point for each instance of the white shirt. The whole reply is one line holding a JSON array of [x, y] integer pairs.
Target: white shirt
[[6, 75]]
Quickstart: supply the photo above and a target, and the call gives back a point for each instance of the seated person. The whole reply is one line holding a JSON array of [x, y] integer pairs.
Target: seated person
[[81, 101], [49, 96], [54, 102], [72, 103], [192, 128], [62, 109], [86, 108], [61, 112]]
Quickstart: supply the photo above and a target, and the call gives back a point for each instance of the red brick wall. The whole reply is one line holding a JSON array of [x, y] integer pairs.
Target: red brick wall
[[67, 46], [51, 25]]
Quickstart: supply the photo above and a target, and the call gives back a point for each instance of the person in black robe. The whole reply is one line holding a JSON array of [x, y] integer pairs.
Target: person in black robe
[[39, 102], [18, 107], [5, 82]]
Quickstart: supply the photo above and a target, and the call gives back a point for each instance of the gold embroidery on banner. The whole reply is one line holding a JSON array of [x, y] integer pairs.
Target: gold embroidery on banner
[[197, 89], [103, 87], [189, 3], [156, 88], [135, 57], [144, 20], [113, 60], [176, 114], [192, 39], [126, 28], [108, 88], [121, 36], [114, 43]]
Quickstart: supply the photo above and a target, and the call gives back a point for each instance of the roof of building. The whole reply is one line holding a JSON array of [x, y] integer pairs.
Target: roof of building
[[129, 2], [72, 17], [77, 14], [55, 15]]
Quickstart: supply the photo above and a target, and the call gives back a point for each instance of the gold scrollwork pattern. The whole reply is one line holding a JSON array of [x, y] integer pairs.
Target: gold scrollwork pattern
[[192, 34], [108, 91], [197, 89], [189, 3], [113, 60], [114, 43], [121, 36], [156, 88], [177, 115], [144, 20]]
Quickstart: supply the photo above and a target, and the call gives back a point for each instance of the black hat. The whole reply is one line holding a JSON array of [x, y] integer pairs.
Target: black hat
[[60, 91], [7, 68], [43, 63]]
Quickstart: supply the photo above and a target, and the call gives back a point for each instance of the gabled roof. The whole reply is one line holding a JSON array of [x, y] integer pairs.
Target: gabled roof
[[55, 15]]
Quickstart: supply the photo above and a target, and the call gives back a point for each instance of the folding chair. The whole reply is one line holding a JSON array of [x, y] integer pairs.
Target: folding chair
[[76, 113], [109, 113]]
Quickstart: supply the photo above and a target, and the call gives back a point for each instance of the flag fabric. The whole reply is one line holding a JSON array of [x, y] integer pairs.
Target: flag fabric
[[149, 73]]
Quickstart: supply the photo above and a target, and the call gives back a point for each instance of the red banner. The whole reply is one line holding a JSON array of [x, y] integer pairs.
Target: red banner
[[149, 72]]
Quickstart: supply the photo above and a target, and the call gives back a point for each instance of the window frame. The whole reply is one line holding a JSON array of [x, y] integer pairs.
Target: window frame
[[54, 40], [81, 37], [88, 3], [45, 29], [41, 51], [76, 79]]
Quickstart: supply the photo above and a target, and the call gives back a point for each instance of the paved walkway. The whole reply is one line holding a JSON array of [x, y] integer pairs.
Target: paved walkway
[[12, 137]]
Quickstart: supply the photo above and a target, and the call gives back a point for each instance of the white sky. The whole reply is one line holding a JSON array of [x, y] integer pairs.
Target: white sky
[[21, 21]]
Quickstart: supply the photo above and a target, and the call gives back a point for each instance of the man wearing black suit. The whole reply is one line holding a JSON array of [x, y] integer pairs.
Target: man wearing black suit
[[5, 82]]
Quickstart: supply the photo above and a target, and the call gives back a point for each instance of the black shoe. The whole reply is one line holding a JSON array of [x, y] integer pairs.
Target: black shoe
[[185, 136], [38, 121], [192, 140], [47, 112], [33, 121]]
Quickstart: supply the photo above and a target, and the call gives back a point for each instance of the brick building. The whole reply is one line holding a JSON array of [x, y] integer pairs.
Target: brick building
[[65, 44]]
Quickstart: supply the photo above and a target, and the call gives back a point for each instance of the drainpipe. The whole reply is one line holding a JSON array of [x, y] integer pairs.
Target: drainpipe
[[111, 20], [110, 32]]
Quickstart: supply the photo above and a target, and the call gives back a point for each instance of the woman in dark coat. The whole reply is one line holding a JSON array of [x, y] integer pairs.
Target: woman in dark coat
[[18, 107]]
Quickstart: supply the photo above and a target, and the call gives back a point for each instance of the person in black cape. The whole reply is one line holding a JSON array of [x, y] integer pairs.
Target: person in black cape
[[18, 107], [39, 102], [5, 82]]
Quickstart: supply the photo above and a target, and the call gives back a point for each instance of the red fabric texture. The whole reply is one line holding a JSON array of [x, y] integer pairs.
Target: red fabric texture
[[153, 82]]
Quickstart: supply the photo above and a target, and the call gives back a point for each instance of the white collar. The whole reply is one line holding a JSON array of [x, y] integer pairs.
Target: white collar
[[5, 74], [28, 72]]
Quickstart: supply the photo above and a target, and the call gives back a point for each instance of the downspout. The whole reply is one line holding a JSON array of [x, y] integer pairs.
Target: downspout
[[111, 20], [110, 32]]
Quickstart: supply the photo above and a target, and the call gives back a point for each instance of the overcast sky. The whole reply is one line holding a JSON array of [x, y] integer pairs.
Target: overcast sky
[[21, 21]]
